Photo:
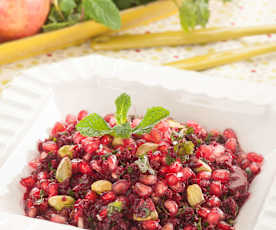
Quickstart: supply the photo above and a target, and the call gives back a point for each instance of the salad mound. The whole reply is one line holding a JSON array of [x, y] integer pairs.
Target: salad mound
[[133, 173]]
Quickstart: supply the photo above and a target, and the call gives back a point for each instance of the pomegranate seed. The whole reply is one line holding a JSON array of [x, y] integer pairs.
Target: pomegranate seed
[[171, 179], [58, 127], [121, 186], [154, 136], [58, 219], [44, 185], [52, 189], [77, 138], [112, 163], [75, 165], [163, 147], [160, 188], [82, 114], [219, 211], [185, 174], [175, 167], [221, 175], [150, 225], [214, 132], [224, 226], [213, 218], [231, 144], [179, 187], [32, 212], [203, 212], [92, 196], [28, 182], [84, 167], [103, 214], [34, 163], [168, 226], [255, 168], [254, 157], [135, 122], [171, 206], [90, 144], [35, 193], [142, 190], [50, 146], [229, 133], [108, 197], [214, 201], [96, 165], [106, 140], [216, 188], [42, 175], [148, 179], [163, 170], [124, 200], [110, 118], [189, 227], [207, 152], [204, 175], [71, 119]]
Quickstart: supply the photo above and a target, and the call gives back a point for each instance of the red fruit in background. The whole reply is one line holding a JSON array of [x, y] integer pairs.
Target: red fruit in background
[[84, 167], [213, 218], [175, 167], [82, 114], [204, 175], [35, 193], [224, 226], [21, 18], [213, 201]]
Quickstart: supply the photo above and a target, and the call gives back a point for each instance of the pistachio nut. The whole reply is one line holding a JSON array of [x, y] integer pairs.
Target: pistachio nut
[[194, 195], [59, 202], [64, 170], [101, 186]]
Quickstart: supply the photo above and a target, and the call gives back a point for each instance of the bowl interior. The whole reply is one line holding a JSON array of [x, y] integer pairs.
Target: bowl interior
[[254, 125]]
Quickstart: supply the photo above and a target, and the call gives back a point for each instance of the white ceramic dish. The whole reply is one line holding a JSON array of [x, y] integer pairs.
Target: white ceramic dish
[[41, 96]]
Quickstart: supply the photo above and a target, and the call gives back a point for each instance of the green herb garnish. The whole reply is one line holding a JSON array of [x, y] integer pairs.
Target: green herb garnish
[[169, 159], [115, 206], [144, 165], [94, 125]]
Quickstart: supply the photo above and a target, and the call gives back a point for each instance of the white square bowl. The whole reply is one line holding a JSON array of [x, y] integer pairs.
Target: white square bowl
[[41, 96]]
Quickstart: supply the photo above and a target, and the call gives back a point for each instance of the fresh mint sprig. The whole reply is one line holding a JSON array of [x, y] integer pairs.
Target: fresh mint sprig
[[194, 13], [94, 125]]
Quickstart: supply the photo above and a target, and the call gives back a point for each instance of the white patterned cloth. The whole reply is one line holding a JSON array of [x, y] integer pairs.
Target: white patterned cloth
[[235, 13]]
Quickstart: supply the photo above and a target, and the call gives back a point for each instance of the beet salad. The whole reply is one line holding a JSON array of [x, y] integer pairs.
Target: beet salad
[[126, 172]]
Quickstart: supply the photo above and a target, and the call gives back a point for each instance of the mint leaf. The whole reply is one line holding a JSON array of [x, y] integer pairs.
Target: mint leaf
[[152, 117], [123, 131], [144, 165], [93, 126], [67, 6], [193, 13], [123, 103], [103, 11]]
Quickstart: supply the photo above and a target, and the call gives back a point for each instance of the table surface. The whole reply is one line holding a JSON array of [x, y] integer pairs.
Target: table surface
[[236, 13]]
